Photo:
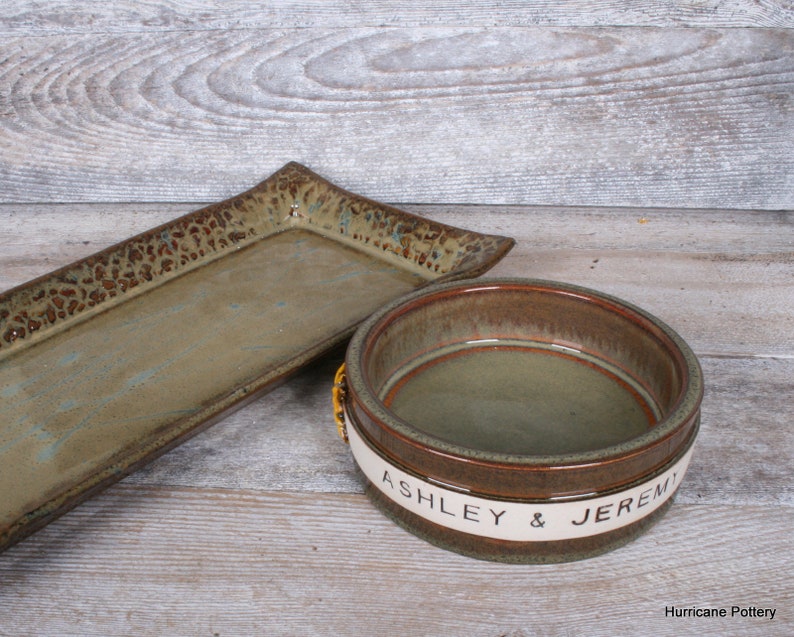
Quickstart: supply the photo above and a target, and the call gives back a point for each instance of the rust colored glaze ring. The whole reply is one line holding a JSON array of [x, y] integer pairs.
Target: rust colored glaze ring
[[520, 420]]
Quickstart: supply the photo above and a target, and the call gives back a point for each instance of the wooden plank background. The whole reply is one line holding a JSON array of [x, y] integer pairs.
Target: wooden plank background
[[643, 149], [661, 116]]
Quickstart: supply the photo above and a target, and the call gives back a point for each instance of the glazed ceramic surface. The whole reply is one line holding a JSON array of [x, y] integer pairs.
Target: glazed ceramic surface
[[546, 399], [112, 360], [573, 406]]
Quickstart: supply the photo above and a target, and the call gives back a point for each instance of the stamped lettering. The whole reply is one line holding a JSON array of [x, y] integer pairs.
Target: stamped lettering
[[514, 520]]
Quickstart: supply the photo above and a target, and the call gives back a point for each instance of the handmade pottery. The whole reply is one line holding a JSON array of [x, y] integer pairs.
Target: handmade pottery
[[112, 360], [520, 420]]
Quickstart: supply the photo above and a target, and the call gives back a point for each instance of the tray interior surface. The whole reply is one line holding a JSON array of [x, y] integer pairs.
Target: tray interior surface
[[107, 383], [110, 361]]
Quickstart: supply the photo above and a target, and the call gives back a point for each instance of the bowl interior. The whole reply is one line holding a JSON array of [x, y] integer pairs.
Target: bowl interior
[[519, 368]]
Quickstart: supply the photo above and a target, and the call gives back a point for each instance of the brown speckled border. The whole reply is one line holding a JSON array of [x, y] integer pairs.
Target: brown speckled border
[[292, 196]]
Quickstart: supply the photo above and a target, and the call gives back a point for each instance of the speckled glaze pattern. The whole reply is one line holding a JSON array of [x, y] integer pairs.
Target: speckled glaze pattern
[[294, 196], [507, 310], [142, 261], [111, 361]]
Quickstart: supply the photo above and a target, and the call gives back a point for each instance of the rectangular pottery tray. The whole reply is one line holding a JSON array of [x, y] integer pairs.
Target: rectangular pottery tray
[[110, 361]]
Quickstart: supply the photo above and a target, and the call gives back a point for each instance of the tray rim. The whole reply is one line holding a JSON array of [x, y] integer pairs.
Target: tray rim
[[129, 459], [472, 268]]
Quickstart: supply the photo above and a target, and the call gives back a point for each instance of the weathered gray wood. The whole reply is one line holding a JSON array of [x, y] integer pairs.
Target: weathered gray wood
[[149, 560], [62, 16], [581, 116]]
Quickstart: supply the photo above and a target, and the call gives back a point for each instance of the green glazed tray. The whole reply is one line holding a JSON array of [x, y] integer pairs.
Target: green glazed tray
[[109, 362]]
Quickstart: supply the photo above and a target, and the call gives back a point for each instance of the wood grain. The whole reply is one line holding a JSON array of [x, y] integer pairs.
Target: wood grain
[[666, 117], [65, 16], [153, 560]]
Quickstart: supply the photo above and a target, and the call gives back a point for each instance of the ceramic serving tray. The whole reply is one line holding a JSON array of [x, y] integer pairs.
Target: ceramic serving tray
[[110, 361]]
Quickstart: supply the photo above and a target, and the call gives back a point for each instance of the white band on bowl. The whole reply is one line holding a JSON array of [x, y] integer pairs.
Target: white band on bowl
[[509, 520]]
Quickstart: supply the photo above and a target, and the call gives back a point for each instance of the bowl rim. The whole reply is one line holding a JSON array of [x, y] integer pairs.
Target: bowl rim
[[683, 410]]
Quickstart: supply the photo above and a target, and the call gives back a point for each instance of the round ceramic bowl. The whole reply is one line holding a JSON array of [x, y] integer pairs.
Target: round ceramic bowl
[[520, 420]]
